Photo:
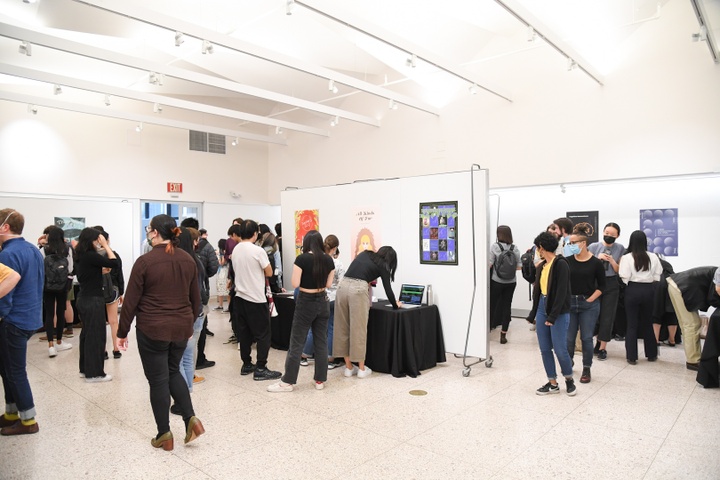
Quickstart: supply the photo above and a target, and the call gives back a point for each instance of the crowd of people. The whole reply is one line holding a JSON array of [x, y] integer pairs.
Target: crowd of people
[[577, 287]]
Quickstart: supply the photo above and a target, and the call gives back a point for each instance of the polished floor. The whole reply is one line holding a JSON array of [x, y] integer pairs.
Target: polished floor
[[649, 421]]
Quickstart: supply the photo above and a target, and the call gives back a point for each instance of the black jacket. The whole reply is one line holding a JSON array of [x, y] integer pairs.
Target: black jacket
[[558, 298], [697, 287]]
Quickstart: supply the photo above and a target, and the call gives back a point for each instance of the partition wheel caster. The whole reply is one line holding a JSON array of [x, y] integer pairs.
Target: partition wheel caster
[[489, 362], [466, 372]]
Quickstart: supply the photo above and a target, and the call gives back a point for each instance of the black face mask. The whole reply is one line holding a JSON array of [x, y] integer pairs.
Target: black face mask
[[608, 239]]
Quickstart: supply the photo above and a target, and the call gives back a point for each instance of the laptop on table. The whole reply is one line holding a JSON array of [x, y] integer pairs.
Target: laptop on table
[[411, 295]]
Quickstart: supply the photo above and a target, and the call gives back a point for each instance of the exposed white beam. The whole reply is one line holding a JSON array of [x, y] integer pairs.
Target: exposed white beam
[[145, 119], [514, 8], [331, 11], [153, 17], [77, 48], [147, 97]]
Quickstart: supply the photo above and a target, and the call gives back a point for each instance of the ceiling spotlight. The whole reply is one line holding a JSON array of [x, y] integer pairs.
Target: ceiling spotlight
[[207, 47], [278, 131], [562, 188], [157, 108], [139, 127], [179, 39], [25, 48], [701, 35], [332, 87], [107, 100], [156, 78], [29, 1], [571, 64], [531, 34], [289, 7], [32, 109], [57, 90], [334, 121], [411, 61], [234, 142], [392, 105], [472, 89]]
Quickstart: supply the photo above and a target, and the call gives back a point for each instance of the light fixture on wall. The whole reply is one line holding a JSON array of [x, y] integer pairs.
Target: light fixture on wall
[[334, 121], [107, 100], [57, 90], [531, 34], [139, 127], [207, 47], [157, 108], [289, 7], [32, 109], [472, 89], [179, 39], [156, 78], [278, 131], [25, 48], [29, 1], [571, 64], [411, 61], [332, 87], [392, 105], [562, 188], [234, 142]]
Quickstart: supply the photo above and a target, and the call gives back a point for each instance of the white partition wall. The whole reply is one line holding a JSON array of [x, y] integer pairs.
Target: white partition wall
[[395, 203]]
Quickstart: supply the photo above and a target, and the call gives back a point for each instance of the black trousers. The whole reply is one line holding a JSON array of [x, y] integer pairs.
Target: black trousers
[[201, 344], [92, 336], [253, 324], [54, 304], [161, 363], [501, 295], [638, 309]]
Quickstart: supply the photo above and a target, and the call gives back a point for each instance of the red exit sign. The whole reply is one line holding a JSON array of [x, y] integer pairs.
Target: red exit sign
[[174, 187]]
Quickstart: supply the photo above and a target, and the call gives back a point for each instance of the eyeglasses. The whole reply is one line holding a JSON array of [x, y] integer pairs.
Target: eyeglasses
[[148, 229]]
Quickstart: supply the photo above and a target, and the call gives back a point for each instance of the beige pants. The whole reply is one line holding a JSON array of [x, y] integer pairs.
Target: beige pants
[[689, 323], [351, 319]]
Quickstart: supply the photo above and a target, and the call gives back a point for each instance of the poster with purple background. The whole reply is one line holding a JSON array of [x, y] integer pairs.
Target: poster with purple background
[[661, 227]]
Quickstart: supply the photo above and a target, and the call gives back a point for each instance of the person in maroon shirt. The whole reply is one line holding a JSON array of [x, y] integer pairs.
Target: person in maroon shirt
[[164, 296]]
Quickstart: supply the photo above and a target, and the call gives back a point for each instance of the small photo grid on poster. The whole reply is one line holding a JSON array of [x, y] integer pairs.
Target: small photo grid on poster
[[438, 234]]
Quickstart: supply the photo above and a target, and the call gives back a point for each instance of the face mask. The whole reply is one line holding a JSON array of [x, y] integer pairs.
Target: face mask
[[608, 239], [574, 249]]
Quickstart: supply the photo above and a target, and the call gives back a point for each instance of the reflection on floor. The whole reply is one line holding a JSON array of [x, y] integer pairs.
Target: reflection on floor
[[648, 421]]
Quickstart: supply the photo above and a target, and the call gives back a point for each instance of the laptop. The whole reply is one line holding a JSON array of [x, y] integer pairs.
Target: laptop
[[411, 295]]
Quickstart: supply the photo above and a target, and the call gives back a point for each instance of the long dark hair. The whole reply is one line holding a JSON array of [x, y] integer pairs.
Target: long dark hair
[[221, 246], [56, 242], [85, 240], [386, 258], [166, 227], [638, 247], [313, 242]]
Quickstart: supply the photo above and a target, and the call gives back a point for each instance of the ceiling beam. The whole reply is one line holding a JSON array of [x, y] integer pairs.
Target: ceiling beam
[[145, 119], [63, 80], [523, 15], [158, 19], [329, 10], [89, 51]]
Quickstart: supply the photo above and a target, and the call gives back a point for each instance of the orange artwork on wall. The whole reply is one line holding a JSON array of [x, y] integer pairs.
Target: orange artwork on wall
[[305, 220]]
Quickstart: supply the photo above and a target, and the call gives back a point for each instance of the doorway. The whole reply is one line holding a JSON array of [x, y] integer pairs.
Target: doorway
[[177, 210]]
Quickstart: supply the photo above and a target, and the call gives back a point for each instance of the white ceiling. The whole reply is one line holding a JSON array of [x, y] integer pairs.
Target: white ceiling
[[270, 69]]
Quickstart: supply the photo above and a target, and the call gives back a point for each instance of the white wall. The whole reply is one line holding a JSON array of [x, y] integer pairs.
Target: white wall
[[398, 201]]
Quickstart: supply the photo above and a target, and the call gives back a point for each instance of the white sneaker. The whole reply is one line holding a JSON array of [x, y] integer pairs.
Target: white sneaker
[[63, 346], [319, 385], [82, 375], [52, 352], [106, 378], [364, 373], [350, 372], [280, 387]]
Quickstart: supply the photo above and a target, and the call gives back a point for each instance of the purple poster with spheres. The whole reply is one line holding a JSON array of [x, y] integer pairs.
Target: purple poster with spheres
[[661, 228]]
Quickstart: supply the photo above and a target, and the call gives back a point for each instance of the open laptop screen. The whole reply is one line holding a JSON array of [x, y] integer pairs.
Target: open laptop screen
[[412, 294]]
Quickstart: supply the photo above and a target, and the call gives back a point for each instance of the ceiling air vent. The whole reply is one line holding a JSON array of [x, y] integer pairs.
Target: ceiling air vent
[[207, 142]]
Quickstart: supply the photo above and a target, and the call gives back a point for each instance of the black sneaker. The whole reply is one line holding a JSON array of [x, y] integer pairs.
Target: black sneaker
[[548, 388], [602, 354], [570, 383], [335, 364], [209, 333], [205, 364], [303, 361], [247, 369], [619, 338], [265, 374], [585, 378], [596, 350]]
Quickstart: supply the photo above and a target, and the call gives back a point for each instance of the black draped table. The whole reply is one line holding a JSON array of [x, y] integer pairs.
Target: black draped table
[[281, 325], [709, 371], [404, 341]]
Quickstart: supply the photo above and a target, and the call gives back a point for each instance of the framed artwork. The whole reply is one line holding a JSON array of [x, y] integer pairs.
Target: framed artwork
[[590, 217], [71, 225], [305, 220], [661, 227], [438, 233], [365, 230]]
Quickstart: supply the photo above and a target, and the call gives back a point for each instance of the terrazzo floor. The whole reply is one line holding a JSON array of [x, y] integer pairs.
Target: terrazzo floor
[[649, 421]]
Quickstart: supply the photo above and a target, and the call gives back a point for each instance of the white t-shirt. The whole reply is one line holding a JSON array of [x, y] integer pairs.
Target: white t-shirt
[[249, 262]]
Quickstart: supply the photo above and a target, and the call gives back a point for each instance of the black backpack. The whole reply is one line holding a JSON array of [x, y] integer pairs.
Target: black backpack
[[528, 265], [56, 272], [505, 264]]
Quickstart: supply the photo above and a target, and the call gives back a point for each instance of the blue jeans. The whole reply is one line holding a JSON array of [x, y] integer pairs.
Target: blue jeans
[[309, 349], [187, 364], [553, 338], [311, 311], [583, 315], [13, 369]]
